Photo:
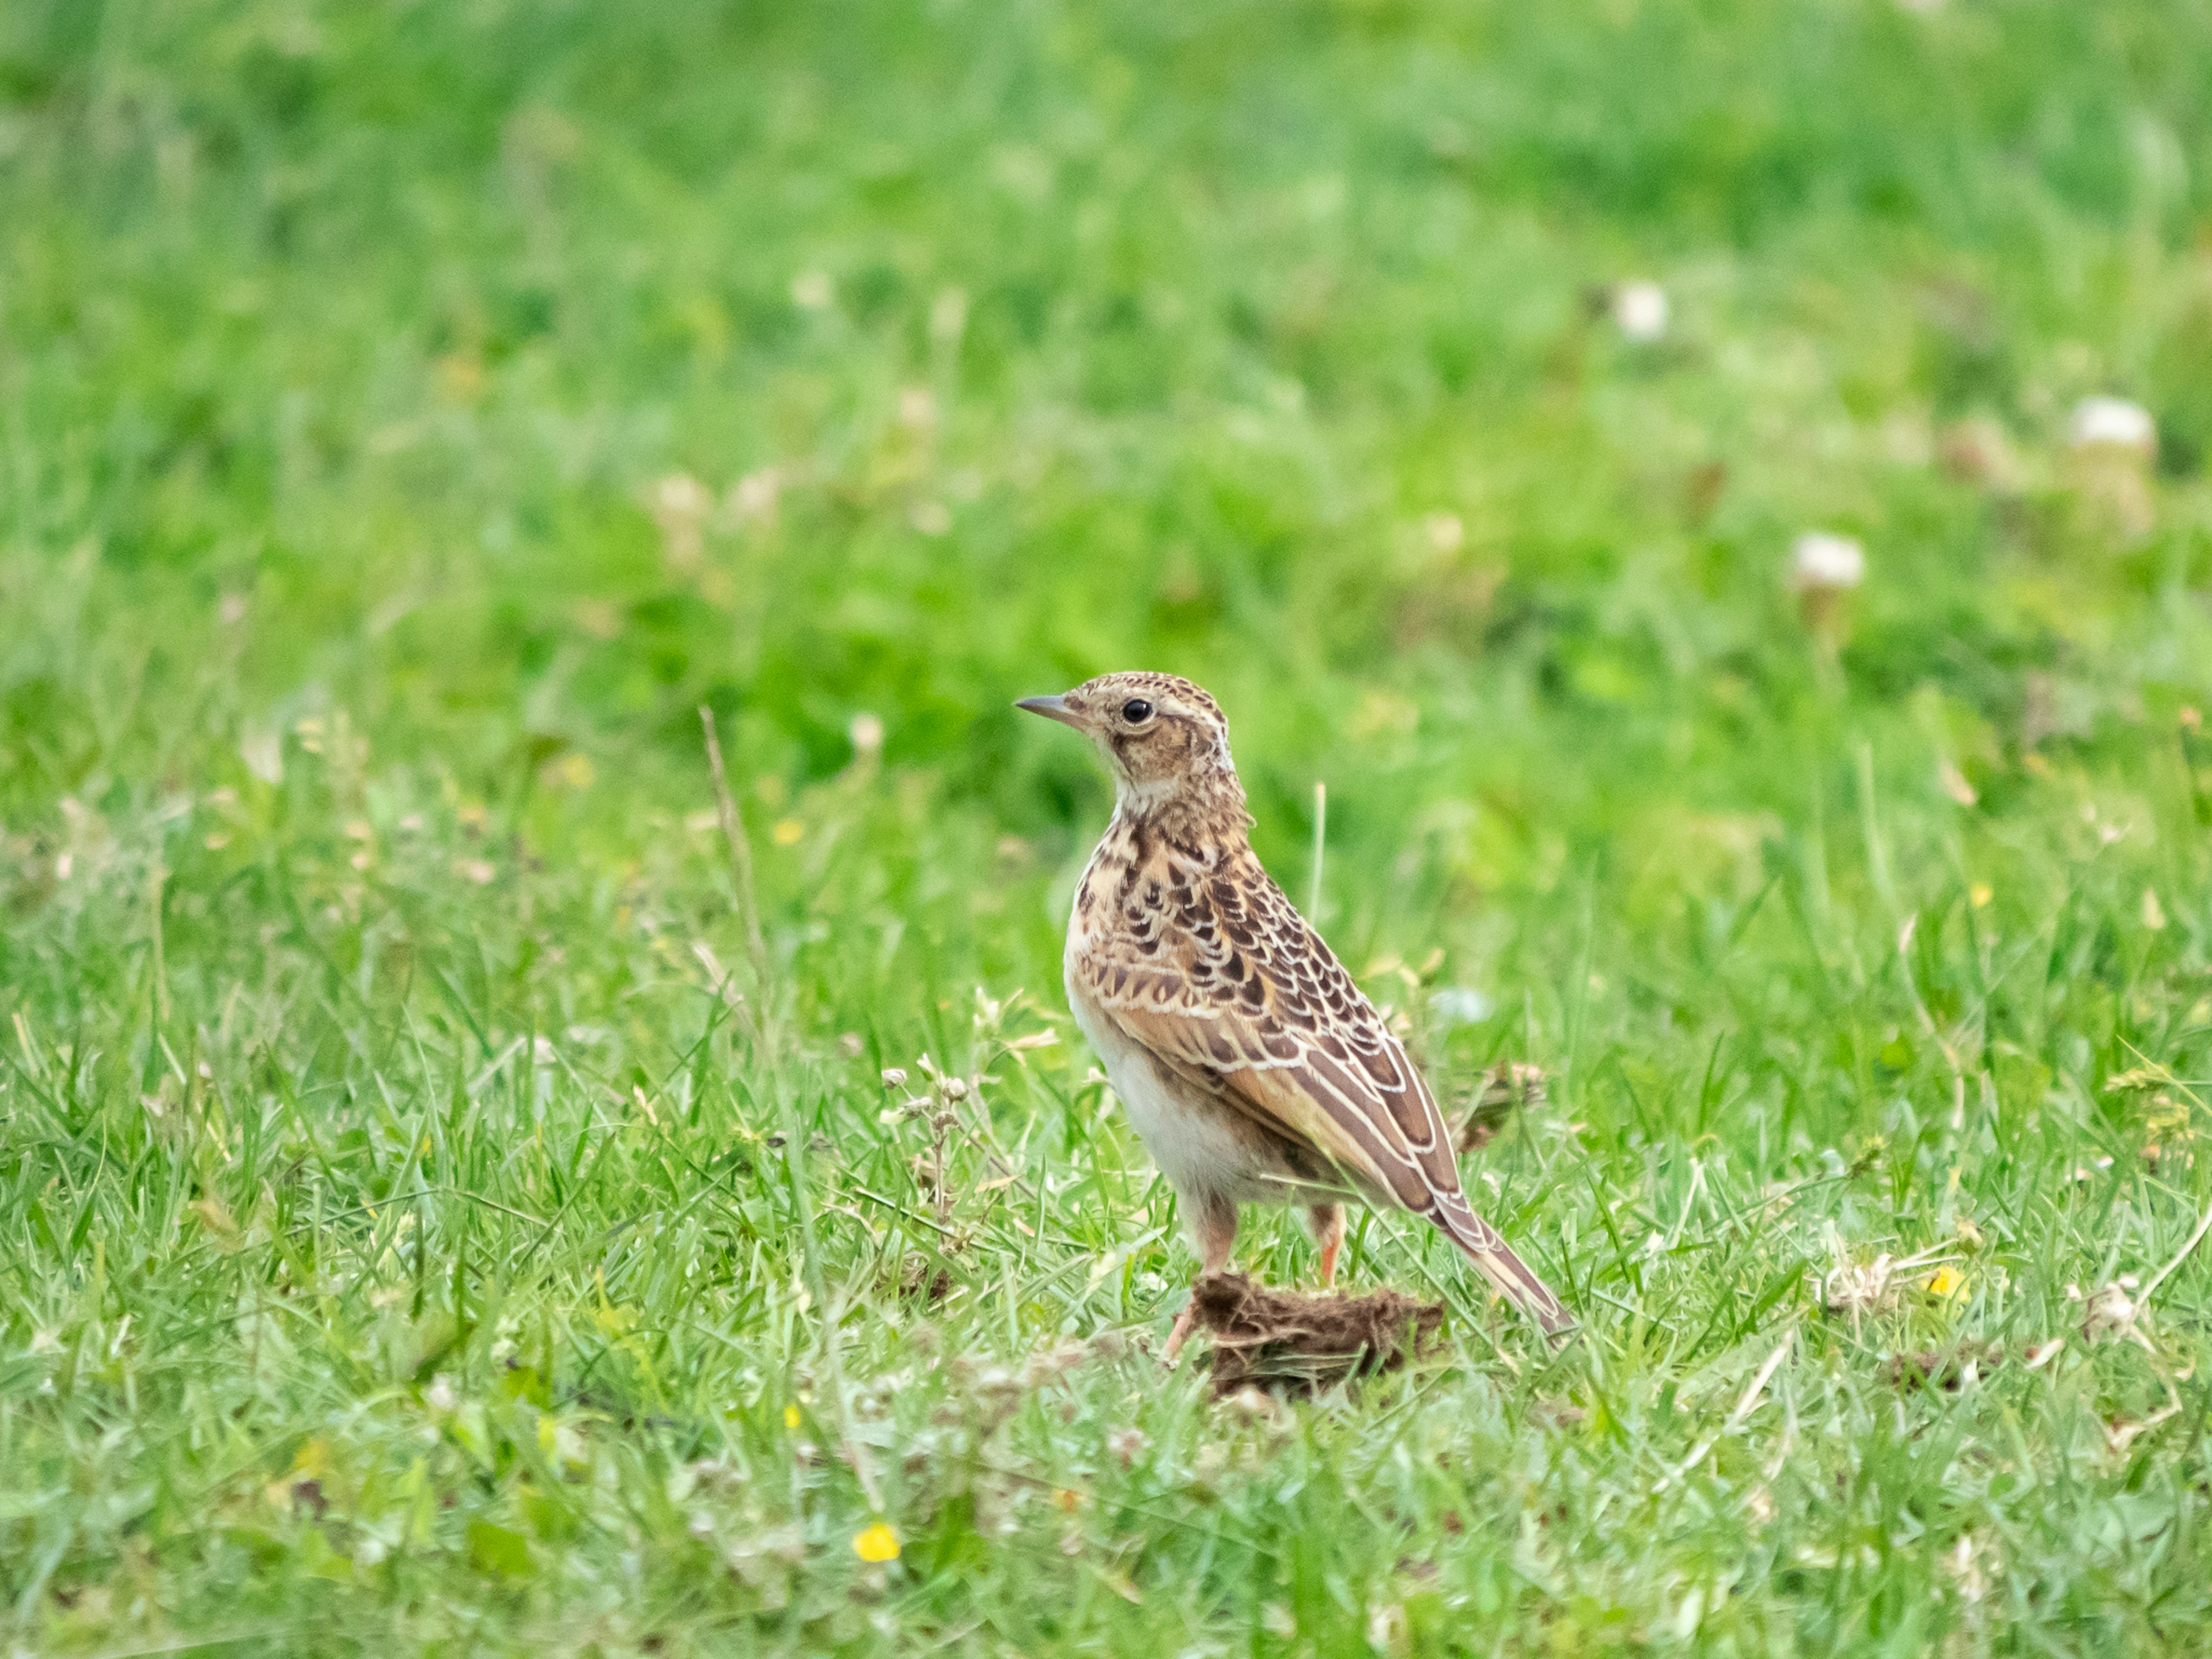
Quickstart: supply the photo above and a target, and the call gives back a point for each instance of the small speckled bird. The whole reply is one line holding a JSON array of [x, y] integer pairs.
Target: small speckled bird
[[1252, 1066]]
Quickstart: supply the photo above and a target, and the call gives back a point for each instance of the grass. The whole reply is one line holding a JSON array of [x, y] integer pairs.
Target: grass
[[428, 1224]]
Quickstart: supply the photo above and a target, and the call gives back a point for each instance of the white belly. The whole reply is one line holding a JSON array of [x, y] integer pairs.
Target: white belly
[[1196, 1145]]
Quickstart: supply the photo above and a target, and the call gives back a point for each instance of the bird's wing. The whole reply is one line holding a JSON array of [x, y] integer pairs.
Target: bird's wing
[[1212, 969]]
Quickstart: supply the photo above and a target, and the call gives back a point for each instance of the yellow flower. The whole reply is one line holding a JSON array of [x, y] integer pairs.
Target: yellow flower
[[1979, 894], [791, 1417], [1946, 1282], [787, 832], [878, 1542]]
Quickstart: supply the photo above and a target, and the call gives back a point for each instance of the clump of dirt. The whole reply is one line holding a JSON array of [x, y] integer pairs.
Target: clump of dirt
[[918, 1281], [1297, 1345], [1932, 1368]]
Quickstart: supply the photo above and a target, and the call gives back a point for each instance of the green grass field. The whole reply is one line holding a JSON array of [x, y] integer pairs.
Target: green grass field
[[428, 1223]]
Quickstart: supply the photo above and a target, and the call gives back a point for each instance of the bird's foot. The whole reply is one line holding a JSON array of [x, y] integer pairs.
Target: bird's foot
[[1180, 1335]]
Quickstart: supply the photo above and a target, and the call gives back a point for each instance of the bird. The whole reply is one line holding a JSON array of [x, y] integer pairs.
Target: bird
[[1251, 1066]]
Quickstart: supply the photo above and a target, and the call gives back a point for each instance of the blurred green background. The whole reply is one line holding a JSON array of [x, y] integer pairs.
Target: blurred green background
[[411, 414], [1055, 342]]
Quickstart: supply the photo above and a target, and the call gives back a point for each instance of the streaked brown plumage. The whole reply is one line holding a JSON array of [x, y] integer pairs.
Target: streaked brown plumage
[[1251, 1065]]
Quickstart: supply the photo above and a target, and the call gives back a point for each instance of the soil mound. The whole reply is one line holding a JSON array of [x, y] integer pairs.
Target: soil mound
[[1298, 1345]]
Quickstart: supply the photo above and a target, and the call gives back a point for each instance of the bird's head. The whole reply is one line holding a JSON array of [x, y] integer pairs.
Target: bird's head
[[1165, 741]]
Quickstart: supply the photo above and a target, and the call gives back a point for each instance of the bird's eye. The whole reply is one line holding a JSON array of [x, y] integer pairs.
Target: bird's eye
[[1136, 711]]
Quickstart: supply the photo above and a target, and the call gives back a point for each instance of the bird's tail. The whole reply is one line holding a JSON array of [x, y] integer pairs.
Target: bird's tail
[[1515, 1280]]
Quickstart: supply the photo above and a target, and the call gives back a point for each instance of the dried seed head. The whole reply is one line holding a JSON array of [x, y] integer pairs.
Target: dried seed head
[[1966, 1571], [2111, 1311], [1977, 451], [1042, 1368], [1252, 1404], [1858, 1287], [753, 497], [680, 504]]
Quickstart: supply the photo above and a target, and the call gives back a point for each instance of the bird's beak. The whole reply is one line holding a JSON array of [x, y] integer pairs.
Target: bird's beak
[[1053, 709]]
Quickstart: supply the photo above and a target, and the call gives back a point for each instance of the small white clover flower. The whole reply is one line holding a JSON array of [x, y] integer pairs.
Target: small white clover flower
[[1459, 1005], [1823, 561], [2112, 422], [1639, 311]]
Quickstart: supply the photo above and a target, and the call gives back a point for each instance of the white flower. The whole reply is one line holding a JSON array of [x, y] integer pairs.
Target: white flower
[[866, 733], [1639, 311], [439, 1396], [1460, 1004], [1820, 560], [2113, 422]]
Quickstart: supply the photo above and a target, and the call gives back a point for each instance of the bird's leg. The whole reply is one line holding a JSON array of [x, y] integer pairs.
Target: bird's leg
[[1211, 1221], [1326, 1221]]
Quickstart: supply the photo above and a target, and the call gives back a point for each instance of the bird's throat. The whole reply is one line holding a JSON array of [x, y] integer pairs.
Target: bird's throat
[[1182, 810]]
